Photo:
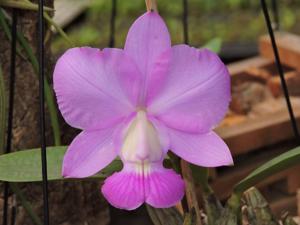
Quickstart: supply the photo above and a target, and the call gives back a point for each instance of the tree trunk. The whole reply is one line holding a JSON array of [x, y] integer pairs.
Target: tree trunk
[[75, 203]]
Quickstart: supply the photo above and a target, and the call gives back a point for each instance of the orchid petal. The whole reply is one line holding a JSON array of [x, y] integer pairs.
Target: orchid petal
[[137, 183], [207, 150], [163, 188], [146, 40], [95, 89], [155, 81], [89, 152], [124, 190], [195, 92]]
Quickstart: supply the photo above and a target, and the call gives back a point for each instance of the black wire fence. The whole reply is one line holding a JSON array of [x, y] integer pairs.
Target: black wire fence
[[46, 219]]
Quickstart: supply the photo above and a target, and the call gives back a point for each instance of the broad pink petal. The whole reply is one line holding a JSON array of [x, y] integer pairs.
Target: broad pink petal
[[88, 153], [94, 88], [163, 188], [124, 190], [146, 40], [207, 150], [195, 92], [155, 80], [186, 122]]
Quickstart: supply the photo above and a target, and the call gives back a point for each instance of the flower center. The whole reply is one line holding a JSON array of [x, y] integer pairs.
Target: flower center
[[141, 142]]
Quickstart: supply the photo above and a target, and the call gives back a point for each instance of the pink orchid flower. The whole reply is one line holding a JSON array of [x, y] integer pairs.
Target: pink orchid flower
[[138, 103]]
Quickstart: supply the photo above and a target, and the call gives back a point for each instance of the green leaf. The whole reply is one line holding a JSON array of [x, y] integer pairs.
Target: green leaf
[[22, 5], [273, 166], [3, 112], [7, 32], [214, 45], [56, 26], [58, 29], [25, 166]]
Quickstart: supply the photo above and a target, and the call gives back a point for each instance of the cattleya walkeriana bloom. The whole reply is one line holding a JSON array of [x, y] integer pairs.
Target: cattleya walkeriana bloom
[[138, 103]]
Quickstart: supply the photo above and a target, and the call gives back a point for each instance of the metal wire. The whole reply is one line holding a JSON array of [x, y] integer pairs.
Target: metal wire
[[280, 69], [13, 215], [10, 106], [185, 22], [276, 24], [42, 110], [112, 23], [185, 15]]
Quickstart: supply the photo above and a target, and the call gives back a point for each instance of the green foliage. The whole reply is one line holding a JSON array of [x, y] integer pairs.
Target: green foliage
[[279, 163], [7, 32], [26, 166], [58, 29], [232, 20], [22, 4]]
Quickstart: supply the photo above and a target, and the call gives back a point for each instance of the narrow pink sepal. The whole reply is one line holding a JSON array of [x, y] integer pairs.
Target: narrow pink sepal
[[88, 153], [147, 39], [207, 150]]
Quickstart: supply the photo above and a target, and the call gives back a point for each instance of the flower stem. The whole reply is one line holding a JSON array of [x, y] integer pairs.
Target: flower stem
[[151, 5], [190, 190]]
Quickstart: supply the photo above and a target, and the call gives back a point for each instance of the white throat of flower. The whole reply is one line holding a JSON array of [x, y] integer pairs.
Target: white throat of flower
[[141, 144]]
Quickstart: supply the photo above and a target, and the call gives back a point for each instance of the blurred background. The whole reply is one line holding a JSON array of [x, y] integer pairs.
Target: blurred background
[[237, 23]]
